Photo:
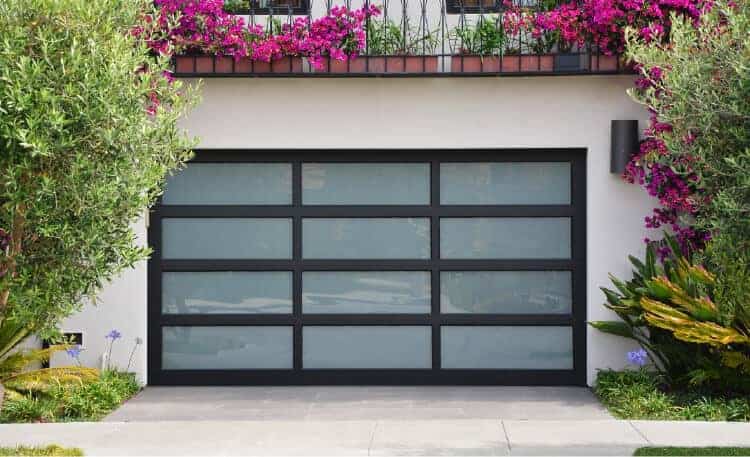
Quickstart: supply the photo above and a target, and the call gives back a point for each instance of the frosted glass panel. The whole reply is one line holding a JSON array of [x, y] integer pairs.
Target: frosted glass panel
[[366, 292], [226, 292], [230, 184], [505, 238], [226, 348], [365, 184], [505, 183], [366, 347], [230, 238], [498, 292], [387, 238], [533, 348]]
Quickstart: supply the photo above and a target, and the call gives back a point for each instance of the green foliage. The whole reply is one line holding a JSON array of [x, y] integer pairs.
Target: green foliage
[[486, 37], [88, 401], [389, 38], [668, 309], [703, 93], [645, 395], [53, 450], [88, 131], [697, 451], [236, 6]]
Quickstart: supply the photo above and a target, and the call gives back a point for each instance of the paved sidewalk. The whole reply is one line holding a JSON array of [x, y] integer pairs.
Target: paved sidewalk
[[376, 437]]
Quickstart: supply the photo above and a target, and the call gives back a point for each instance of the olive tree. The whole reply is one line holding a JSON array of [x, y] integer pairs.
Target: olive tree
[[88, 131]]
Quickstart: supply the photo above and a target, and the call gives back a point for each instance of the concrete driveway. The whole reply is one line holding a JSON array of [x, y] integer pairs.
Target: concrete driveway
[[365, 403]]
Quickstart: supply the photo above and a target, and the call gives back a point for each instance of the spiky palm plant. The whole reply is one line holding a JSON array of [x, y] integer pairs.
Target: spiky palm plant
[[16, 374], [668, 309]]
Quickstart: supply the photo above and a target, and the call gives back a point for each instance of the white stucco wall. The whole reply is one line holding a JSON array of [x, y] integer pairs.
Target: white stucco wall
[[351, 113], [121, 305]]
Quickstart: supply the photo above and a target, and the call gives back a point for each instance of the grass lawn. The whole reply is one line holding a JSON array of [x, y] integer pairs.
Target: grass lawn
[[728, 451], [46, 450], [640, 395], [85, 402]]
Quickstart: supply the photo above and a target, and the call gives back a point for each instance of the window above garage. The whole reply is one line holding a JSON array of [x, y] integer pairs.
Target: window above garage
[[386, 38]]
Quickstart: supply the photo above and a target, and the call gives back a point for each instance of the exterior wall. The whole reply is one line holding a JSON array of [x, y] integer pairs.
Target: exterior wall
[[120, 305], [418, 113]]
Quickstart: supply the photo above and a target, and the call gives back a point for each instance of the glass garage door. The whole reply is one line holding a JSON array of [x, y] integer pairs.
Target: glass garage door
[[370, 267]]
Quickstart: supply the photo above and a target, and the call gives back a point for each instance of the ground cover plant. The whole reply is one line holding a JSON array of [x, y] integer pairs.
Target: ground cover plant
[[639, 394], [725, 451], [89, 401], [52, 450]]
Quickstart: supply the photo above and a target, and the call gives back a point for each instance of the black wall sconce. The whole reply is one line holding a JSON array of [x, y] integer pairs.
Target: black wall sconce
[[624, 144]]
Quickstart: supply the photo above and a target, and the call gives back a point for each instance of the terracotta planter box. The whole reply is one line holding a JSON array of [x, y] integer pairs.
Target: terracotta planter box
[[476, 64], [283, 65], [225, 65], [402, 64], [600, 62], [356, 65], [532, 63]]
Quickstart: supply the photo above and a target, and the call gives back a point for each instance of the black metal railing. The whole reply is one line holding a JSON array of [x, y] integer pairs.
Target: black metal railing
[[415, 38]]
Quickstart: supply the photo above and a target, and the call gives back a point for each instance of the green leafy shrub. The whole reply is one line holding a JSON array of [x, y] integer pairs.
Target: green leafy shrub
[[88, 131], [646, 395], [83, 402], [391, 38], [486, 37]]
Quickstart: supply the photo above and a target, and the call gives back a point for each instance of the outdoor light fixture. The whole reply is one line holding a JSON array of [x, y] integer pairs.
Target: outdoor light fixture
[[624, 144]]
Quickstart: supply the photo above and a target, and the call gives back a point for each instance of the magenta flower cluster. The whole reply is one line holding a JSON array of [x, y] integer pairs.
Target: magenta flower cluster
[[202, 26], [670, 178], [600, 22]]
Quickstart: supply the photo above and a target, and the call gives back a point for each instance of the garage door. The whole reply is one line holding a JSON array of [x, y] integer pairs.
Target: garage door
[[370, 267]]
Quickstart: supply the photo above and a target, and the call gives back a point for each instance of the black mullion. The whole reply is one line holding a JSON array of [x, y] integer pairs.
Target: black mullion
[[388, 155], [578, 243], [297, 256], [153, 288], [435, 256], [365, 211], [364, 319], [369, 265]]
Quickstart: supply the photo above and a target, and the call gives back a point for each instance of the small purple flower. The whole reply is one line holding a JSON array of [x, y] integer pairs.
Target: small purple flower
[[74, 351], [639, 357], [113, 335]]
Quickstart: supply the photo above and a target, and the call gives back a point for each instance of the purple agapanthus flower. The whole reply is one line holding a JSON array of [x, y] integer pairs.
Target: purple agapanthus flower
[[113, 335], [74, 351], [639, 357]]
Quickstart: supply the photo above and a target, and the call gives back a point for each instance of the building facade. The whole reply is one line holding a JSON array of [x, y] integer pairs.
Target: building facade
[[421, 229]]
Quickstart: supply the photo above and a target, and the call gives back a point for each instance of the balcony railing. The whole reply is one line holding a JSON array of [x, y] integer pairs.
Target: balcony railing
[[414, 38]]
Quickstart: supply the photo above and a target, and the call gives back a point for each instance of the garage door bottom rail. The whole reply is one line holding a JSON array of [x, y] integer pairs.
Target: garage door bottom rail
[[369, 377]]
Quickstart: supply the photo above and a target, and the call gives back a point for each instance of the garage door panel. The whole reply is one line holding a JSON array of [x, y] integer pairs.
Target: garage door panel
[[227, 292], [505, 238], [365, 183], [226, 348], [354, 292], [361, 347], [505, 183], [226, 238], [506, 292], [524, 347], [366, 238], [230, 184]]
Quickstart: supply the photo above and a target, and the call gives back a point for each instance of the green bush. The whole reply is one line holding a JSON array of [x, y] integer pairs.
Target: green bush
[[646, 395], [88, 132], [52, 450], [83, 402], [701, 89]]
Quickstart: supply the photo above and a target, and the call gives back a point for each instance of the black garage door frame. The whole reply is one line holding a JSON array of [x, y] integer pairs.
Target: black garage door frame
[[297, 376]]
